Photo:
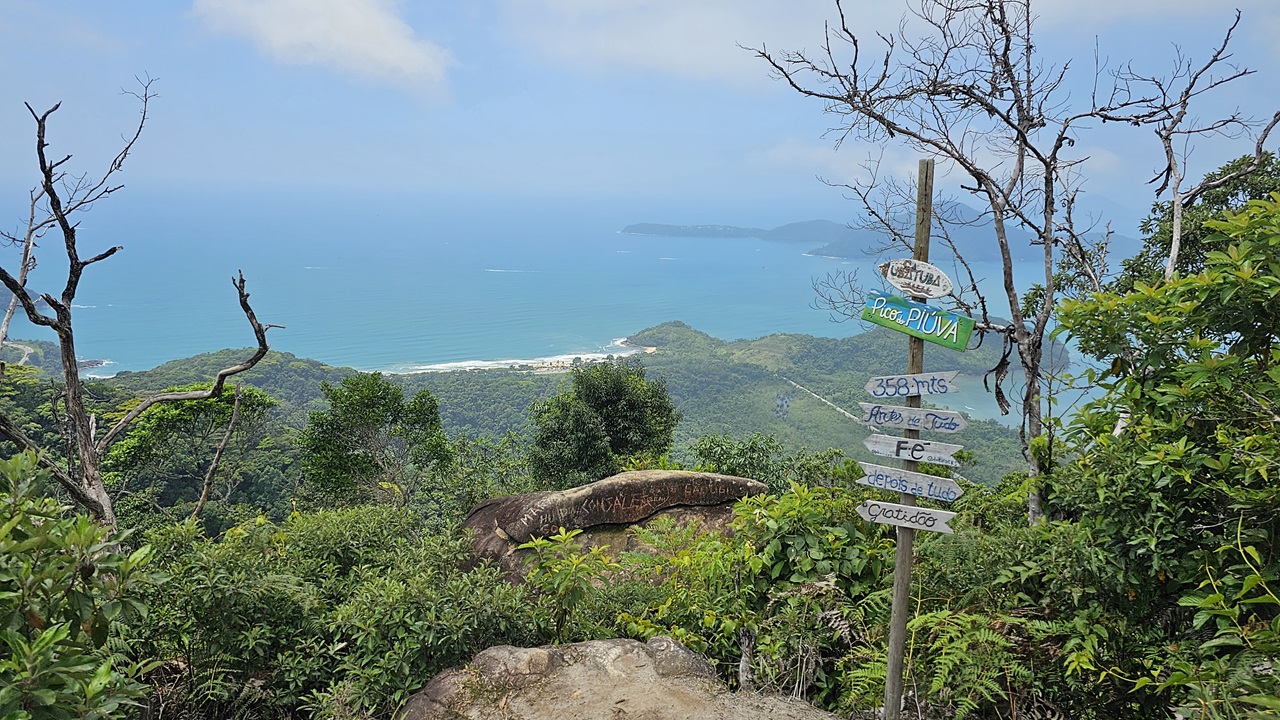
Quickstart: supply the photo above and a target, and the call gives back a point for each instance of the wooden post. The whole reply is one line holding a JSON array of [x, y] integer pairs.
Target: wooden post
[[906, 536]]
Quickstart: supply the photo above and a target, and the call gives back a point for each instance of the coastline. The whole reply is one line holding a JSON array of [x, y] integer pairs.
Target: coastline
[[554, 364]]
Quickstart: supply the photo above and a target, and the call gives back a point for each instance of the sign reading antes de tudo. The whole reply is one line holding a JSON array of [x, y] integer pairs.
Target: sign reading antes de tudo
[[947, 421], [930, 324], [916, 278]]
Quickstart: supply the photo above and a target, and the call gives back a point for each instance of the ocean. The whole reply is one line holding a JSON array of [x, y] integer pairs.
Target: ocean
[[397, 294]]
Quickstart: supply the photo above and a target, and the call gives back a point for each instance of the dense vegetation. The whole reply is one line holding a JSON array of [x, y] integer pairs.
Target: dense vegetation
[[325, 576]]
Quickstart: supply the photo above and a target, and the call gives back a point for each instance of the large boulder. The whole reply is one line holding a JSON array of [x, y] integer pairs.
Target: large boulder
[[597, 680], [604, 510]]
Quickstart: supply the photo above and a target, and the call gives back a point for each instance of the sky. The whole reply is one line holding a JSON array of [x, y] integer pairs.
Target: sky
[[627, 110]]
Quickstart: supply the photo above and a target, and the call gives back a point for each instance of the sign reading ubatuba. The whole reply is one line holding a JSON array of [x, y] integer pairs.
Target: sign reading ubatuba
[[937, 383], [930, 324], [914, 483], [947, 421], [916, 278], [916, 518], [911, 449]]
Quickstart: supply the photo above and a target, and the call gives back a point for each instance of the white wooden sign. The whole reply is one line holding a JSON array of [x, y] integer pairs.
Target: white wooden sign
[[916, 278], [919, 450], [935, 383], [947, 421], [912, 483], [916, 518]]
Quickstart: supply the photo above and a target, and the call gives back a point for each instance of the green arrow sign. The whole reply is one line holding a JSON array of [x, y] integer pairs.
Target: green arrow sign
[[928, 323]]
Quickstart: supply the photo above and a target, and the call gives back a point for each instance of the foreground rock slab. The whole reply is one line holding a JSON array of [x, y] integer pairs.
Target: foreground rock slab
[[597, 680], [604, 510]]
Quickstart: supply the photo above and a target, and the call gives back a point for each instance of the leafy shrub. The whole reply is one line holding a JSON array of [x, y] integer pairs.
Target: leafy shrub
[[332, 612], [65, 586]]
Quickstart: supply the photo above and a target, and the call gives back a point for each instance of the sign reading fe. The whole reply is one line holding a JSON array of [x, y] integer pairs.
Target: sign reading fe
[[905, 481], [916, 518], [935, 383], [907, 449], [928, 323], [947, 421], [916, 278]]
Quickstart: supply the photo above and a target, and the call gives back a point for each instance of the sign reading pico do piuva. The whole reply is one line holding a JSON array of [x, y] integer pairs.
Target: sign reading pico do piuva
[[928, 451], [947, 421], [937, 383], [916, 518], [916, 278], [930, 324]]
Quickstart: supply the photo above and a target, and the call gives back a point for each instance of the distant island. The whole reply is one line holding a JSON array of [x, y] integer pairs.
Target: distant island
[[829, 239], [968, 229]]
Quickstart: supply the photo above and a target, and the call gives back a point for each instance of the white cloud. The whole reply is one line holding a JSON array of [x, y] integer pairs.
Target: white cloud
[[686, 38], [700, 38], [367, 38]]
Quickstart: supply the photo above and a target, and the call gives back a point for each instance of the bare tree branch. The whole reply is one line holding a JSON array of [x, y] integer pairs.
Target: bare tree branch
[[217, 455]]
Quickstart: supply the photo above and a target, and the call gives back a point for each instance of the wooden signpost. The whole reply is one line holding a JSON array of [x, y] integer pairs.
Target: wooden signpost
[[906, 516], [916, 278], [914, 483], [938, 326], [936, 383], [913, 418], [938, 453]]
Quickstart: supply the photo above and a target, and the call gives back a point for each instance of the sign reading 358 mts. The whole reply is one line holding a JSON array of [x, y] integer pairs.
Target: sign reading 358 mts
[[935, 383], [928, 323]]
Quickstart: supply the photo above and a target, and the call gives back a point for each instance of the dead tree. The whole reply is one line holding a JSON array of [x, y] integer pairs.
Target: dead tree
[[971, 91], [62, 196], [1175, 127]]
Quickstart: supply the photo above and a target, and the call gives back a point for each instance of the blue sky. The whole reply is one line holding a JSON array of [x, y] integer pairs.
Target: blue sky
[[638, 110]]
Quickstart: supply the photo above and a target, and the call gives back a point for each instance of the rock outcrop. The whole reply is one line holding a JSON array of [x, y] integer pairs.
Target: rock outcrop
[[604, 510], [597, 680]]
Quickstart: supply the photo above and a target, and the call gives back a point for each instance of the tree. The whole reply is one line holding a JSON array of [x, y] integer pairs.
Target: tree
[[176, 454], [610, 413], [972, 91], [1183, 497], [62, 197], [1149, 265], [371, 444]]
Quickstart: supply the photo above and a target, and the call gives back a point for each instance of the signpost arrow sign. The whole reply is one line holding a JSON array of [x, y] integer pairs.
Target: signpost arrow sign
[[934, 383], [947, 421], [931, 324], [906, 516], [909, 449], [918, 484], [916, 278]]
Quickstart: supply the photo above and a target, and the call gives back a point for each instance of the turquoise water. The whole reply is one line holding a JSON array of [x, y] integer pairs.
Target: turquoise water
[[401, 295], [400, 292]]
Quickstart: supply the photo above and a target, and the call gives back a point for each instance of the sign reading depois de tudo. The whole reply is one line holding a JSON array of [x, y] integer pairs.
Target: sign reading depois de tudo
[[930, 324], [916, 518], [913, 483], [916, 278]]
